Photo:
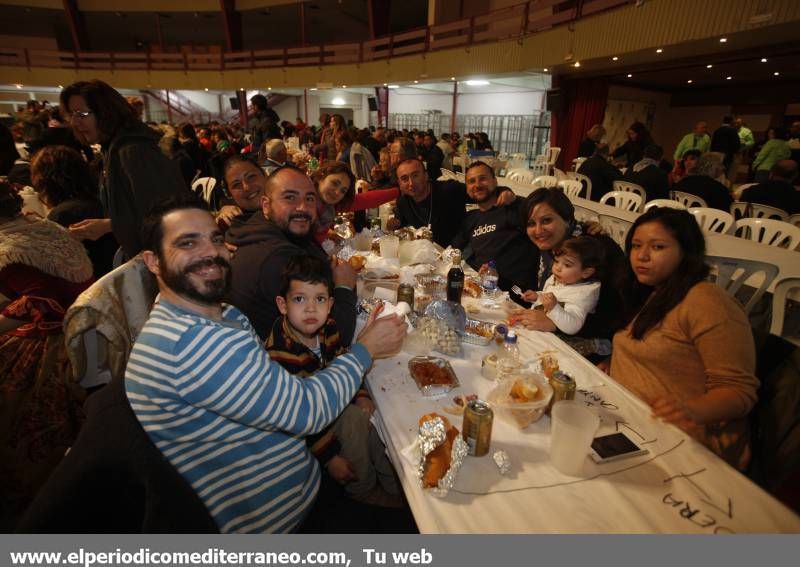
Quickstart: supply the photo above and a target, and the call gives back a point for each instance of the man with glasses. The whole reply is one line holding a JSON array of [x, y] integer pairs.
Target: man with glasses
[[266, 242]]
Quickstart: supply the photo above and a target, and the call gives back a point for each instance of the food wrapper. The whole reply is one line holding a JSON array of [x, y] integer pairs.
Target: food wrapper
[[521, 411], [418, 252], [502, 461], [443, 338], [432, 433], [379, 268]]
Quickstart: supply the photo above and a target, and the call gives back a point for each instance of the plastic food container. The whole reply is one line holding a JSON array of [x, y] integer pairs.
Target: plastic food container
[[521, 411], [478, 333], [433, 376]]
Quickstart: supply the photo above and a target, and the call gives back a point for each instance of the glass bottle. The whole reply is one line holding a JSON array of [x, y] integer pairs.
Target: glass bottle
[[455, 280]]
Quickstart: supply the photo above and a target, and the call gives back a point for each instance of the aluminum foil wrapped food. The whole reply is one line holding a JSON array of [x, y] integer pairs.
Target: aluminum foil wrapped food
[[441, 453], [502, 461], [452, 314]]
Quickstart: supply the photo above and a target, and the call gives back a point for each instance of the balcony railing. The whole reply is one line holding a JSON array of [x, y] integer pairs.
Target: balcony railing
[[513, 22]]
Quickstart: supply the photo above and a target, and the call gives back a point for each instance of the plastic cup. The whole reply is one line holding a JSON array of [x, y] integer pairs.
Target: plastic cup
[[390, 246], [572, 430]]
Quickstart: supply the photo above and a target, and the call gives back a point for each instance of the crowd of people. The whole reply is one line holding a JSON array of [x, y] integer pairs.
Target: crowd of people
[[705, 165], [248, 375]]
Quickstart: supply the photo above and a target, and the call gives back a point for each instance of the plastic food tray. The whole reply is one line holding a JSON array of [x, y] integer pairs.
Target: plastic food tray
[[478, 332], [430, 381]]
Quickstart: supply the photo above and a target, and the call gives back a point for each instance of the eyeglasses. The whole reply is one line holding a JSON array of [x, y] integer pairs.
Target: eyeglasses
[[79, 114]]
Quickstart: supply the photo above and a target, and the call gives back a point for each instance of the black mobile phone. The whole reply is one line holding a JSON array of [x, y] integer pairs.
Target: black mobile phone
[[615, 446]]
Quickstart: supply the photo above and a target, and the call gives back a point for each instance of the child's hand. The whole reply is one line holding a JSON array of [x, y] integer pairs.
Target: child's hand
[[530, 296], [365, 404], [343, 273], [548, 301], [341, 470]]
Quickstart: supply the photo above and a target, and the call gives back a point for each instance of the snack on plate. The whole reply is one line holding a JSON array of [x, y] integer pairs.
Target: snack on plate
[[523, 391], [357, 262], [433, 376], [442, 450], [521, 399], [472, 288]]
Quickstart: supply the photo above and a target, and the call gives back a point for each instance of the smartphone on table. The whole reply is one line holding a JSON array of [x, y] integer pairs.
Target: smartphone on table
[[613, 447]]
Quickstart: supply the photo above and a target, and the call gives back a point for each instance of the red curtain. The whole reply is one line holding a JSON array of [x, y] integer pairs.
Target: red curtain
[[584, 104]]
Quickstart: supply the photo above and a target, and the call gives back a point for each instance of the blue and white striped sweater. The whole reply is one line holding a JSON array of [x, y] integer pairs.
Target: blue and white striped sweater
[[231, 421]]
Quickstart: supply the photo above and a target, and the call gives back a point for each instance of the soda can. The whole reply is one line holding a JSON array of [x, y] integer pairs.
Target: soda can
[[405, 292], [477, 427], [563, 388]]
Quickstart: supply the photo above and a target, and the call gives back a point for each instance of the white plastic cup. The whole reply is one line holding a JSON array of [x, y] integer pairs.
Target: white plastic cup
[[390, 246], [573, 426]]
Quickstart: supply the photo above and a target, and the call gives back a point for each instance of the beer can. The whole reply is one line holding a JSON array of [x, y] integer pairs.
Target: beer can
[[563, 388], [405, 292], [477, 427]]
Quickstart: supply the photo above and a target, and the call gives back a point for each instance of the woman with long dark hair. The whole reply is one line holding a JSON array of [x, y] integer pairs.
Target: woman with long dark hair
[[687, 349], [633, 149], [135, 174]]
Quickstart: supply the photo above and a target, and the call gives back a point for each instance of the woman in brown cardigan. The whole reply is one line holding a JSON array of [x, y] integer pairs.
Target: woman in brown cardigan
[[688, 349]]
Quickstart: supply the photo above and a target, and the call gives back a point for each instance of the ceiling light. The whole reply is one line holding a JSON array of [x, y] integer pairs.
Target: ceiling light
[[576, 64], [723, 40], [344, 86], [545, 69], [415, 82], [629, 75], [269, 88], [477, 83], [763, 59], [452, 78], [313, 89], [728, 78], [394, 86], [60, 86], [776, 73], [689, 81], [19, 86], [338, 101], [659, 50], [385, 85], [615, 58], [206, 90], [709, 66], [241, 89]]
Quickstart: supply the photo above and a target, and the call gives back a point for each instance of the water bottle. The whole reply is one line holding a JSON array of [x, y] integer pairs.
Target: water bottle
[[508, 359], [489, 279]]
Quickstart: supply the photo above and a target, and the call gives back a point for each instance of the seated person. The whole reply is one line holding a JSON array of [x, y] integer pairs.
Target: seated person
[[684, 166], [703, 183], [600, 172], [647, 174], [687, 348], [304, 340], [571, 293], [779, 190]]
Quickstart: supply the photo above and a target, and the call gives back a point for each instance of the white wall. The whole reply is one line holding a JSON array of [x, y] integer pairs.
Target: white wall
[[206, 101], [490, 103]]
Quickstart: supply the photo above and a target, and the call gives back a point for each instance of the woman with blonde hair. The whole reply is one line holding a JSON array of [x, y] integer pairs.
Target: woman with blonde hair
[[593, 137]]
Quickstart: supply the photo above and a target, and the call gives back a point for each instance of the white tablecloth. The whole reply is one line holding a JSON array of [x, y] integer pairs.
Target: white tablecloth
[[678, 487]]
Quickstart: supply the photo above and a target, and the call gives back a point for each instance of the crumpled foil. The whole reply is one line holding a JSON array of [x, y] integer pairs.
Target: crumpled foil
[[432, 433], [502, 461], [452, 314]]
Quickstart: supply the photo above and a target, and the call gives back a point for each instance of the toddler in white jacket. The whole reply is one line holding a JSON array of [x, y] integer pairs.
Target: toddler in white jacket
[[570, 294]]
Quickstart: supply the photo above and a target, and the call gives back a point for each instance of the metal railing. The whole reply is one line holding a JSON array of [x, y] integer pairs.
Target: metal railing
[[513, 22], [527, 134]]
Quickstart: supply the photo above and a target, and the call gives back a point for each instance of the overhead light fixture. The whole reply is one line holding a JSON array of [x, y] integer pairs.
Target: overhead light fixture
[[385, 84], [723, 40], [545, 69], [776, 73], [241, 89], [763, 59], [689, 81], [615, 58], [728, 78], [576, 64], [269, 88], [629, 75], [18, 85], [394, 86], [416, 82], [344, 86], [477, 83], [659, 50], [338, 101], [452, 78], [709, 66], [60, 86], [313, 89], [206, 90]]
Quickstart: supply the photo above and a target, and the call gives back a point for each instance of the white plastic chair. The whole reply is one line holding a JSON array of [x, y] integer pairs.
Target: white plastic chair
[[616, 228], [794, 219], [768, 231], [779, 295], [583, 214], [585, 181], [571, 188], [687, 199], [577, 162], [663, 203], [743, 209], [632, 187], [521, 175], [731, 273], [625, 200], [204, 187], [712, 220], [545, 181], [447, 174], [558, 174]]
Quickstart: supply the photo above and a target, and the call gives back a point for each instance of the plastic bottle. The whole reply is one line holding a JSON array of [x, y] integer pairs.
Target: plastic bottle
[[489, 279], [455, 280], [508, 359]]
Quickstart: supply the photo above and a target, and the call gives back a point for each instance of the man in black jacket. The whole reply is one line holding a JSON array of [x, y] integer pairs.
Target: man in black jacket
[[432, 155], [647, 174], [601, 173], [726, 141], [264, 123], [267, 241], [779, 191]]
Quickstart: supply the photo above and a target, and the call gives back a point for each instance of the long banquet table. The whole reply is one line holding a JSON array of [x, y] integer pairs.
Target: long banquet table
[[679, 487]]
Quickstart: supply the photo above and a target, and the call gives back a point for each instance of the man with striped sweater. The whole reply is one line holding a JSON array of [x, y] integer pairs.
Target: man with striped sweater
[[205, 391]]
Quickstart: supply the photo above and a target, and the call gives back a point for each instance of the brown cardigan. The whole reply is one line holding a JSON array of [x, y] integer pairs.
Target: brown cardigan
[[705, 342]]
